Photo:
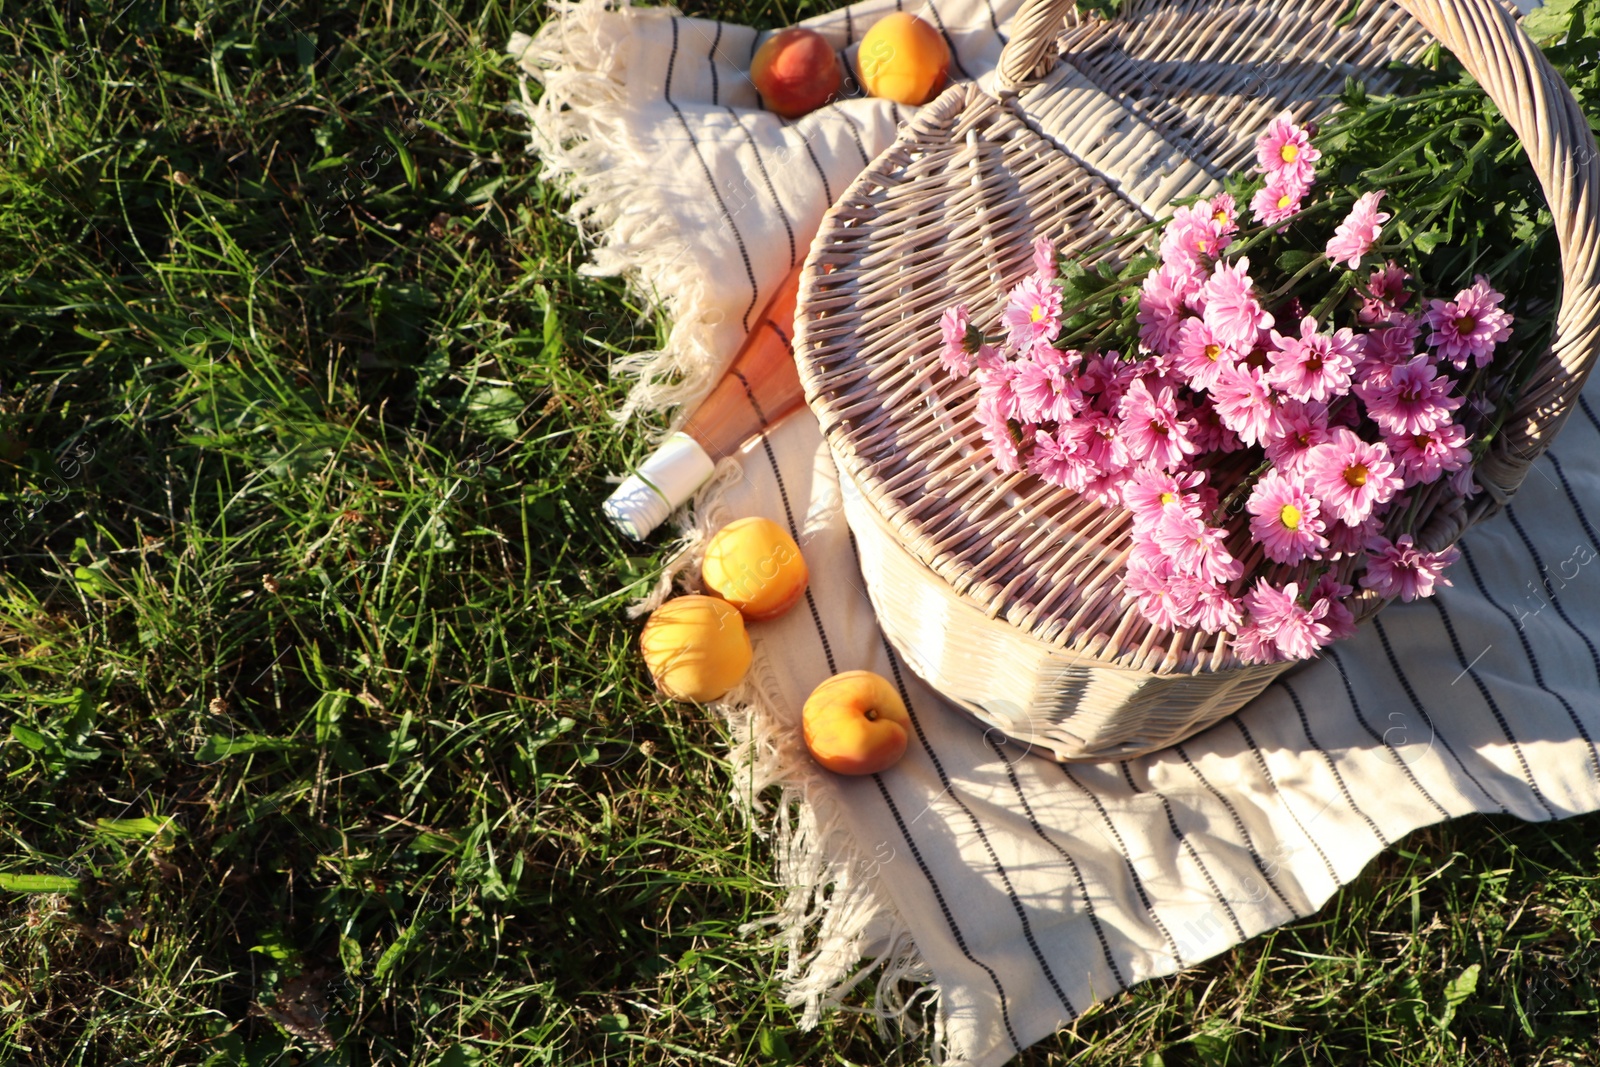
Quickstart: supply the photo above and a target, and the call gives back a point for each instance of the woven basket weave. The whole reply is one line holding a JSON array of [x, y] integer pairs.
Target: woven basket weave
[[1002, 591]]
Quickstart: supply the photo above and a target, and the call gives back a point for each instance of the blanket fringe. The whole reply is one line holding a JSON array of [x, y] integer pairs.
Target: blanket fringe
[[579, 128], [837, 925]]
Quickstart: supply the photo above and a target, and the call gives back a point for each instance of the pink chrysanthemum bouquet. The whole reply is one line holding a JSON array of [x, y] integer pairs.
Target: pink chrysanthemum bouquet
[[1267, 452]]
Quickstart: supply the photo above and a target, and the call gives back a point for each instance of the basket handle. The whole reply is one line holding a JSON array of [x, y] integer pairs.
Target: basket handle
[[1029, 53], [1541, 110]]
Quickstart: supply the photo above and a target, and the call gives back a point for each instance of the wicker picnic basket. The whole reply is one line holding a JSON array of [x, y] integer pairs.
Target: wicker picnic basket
[[1000, 590]]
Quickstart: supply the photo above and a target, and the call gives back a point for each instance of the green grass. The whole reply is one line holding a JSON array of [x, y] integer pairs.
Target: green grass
[[323, 734]]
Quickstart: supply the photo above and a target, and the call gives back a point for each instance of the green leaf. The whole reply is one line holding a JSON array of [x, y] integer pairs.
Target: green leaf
[[217, 747], [1550, 22], [1296, 259], [145, 826], [38, 883], [614, 1024], [274, 944], [1460, 988], [30, 737], [774, 1047], [391, 955]]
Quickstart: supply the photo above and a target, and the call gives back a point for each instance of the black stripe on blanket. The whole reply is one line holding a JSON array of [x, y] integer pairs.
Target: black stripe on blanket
[[1435, 732], [1261, 761], [1072, 864], [1382, 739], [744, 254], [1183, 839], [1244, 834], [1527, 647], [1127, 862], [1572, 498], [1555, 602], [949, 918], [994, 859], [955, 56], [1344, 790], [1488, 699], [766, 178], [711, 62]]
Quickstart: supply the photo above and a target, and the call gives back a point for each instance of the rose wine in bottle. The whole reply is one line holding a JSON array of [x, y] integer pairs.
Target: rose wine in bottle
[[761, 387]]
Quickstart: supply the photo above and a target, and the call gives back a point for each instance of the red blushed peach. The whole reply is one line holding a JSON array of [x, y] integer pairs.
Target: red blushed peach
[[856, 723], [796, 71]]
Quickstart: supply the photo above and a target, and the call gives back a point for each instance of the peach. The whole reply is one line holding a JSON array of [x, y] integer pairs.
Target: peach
[[755, 565], [903, 59], [856, 723], [796, 71], [696, 647]]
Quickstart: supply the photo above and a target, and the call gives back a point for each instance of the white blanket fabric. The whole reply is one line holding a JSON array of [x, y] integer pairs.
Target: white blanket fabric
[[1022, 891]]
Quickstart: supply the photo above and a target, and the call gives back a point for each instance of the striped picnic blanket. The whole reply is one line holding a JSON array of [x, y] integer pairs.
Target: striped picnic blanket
[[1020, 891]]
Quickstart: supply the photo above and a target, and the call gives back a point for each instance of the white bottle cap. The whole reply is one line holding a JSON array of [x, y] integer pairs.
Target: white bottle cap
[[665, 480]]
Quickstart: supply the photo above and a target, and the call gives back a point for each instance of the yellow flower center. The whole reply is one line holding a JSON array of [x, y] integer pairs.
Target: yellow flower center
[[1037, 313], [1220, 215], [1289, 153], [1355, 477], [1213, 352], [1168, 498], [1466, 324], [1285, 200], [1290, 516]]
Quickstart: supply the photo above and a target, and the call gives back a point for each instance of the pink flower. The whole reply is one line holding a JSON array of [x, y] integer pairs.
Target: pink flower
[[1255, 645], [1225, 213], [1345, 539], [1386, 294], [1279, 199], [1286, 148], [1313, 366], [1303, 427], [1231, 308], [1033, 313], [1195, 547], [1211, 608], [1422, 457], [1046, 388], [1150, 492], [1464, 483], [1340, 619], [1244, 404], [997, 382], [1151, 427], [1469, 326], [1209, 435], [1359, 231], [1285, 519], [1057, 460], [1414, 398], [1395, 343], [1400, 569], [1149, 581], [1099, 439], [1296, 631], [1200, 356], [1193, 236], [991, 417], [1044, 258], [1161, 307], [1104, 378], [1350, 476], [956, 326]]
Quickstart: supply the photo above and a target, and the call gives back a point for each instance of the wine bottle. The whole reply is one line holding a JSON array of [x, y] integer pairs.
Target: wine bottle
[[759, 388]]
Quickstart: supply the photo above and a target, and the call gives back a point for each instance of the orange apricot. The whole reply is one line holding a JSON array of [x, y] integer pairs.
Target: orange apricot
[[696, 647], [755, 565], [903, 59], [856, 723]]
